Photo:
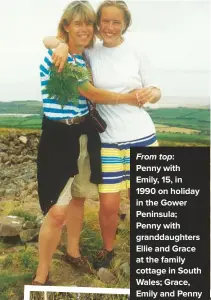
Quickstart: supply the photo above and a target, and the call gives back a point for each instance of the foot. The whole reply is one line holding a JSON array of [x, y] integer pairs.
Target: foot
[[37, 282], [81, 263], [103, 259]]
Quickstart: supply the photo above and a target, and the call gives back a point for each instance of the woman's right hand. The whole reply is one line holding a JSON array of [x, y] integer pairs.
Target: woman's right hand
[[60, 56]]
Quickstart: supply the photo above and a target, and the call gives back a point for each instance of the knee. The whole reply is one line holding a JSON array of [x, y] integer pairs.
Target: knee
[[108, 209], [109, 204], [58, 215]]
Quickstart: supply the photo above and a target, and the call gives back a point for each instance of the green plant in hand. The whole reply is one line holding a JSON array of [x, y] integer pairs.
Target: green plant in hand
[[63, 86]]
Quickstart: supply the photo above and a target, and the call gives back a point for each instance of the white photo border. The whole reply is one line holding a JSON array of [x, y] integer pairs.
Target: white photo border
[[67, 289]]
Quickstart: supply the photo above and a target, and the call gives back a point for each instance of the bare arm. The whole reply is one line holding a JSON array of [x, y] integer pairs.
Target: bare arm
[[60, 54], [101, 96], [148, 94], [138, 98], [51, 42], [87, 89]]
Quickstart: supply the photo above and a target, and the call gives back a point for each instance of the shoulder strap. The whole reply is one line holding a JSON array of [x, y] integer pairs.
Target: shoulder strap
[[88, 68], [90, 104]]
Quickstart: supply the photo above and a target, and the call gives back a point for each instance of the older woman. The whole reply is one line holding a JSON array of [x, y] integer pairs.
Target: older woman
[[117, 65], [66, 136]]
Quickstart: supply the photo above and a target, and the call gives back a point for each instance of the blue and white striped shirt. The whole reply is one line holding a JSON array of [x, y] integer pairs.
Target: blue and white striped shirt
[[51, 108]]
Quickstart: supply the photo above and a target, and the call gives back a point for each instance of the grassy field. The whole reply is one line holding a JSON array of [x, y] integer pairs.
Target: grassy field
[[21, 107], [30, 122], [189, 118], [184, 138], [192, 118]]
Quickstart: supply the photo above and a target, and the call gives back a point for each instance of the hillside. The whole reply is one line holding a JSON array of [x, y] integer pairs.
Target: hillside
[[179, 124], [34, 106], [21, 107]]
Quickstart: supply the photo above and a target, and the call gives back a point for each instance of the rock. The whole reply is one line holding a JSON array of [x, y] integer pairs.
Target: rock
[[29, 225], [11, 225], [32, 186], [10, 151], [24, 152], [11, 145], [16, 141], [4, 157], [106, 276], [12, 136], [35, 194], [27, 176], [23, 139], [21, 183], [10, 192], [3, 147], [31, 157], [29, 235], [39, 220], [11, 185], [5, 141], [125, 269], [13, 159], [18, 151]]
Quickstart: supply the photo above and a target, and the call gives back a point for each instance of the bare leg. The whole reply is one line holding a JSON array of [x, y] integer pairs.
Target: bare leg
[[50, 233], [74, 222], [108, 218]]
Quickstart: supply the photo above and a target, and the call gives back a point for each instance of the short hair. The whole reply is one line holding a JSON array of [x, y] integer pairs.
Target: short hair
[[85, 12]]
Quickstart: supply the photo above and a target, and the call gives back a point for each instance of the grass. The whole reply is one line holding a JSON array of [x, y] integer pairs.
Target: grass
[[191, 118], [21, 107], [30, 122], [91, 241], [19, 262], [21, 213], [74, 296], [184, 138], [12, 285]]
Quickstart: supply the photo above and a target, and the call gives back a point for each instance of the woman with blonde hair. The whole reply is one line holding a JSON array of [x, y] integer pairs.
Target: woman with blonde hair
[[69, 140], [119, 66]]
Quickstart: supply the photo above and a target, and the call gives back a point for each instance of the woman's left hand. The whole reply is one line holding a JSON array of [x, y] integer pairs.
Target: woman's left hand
[[148, 95]]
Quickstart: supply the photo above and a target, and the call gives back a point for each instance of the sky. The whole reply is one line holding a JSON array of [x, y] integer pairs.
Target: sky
[[174, 34]]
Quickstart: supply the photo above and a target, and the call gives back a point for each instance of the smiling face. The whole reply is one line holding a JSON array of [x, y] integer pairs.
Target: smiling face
[[80, 32], [111, 26]]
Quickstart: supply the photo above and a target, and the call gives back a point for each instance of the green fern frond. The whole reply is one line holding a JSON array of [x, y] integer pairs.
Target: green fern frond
[[63, 86]]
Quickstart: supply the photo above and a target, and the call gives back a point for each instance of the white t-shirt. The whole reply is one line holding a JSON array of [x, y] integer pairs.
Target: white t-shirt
[[121, 69]]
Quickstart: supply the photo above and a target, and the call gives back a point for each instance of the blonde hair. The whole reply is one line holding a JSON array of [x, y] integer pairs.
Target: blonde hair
[[86, 13], [119, 4]]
